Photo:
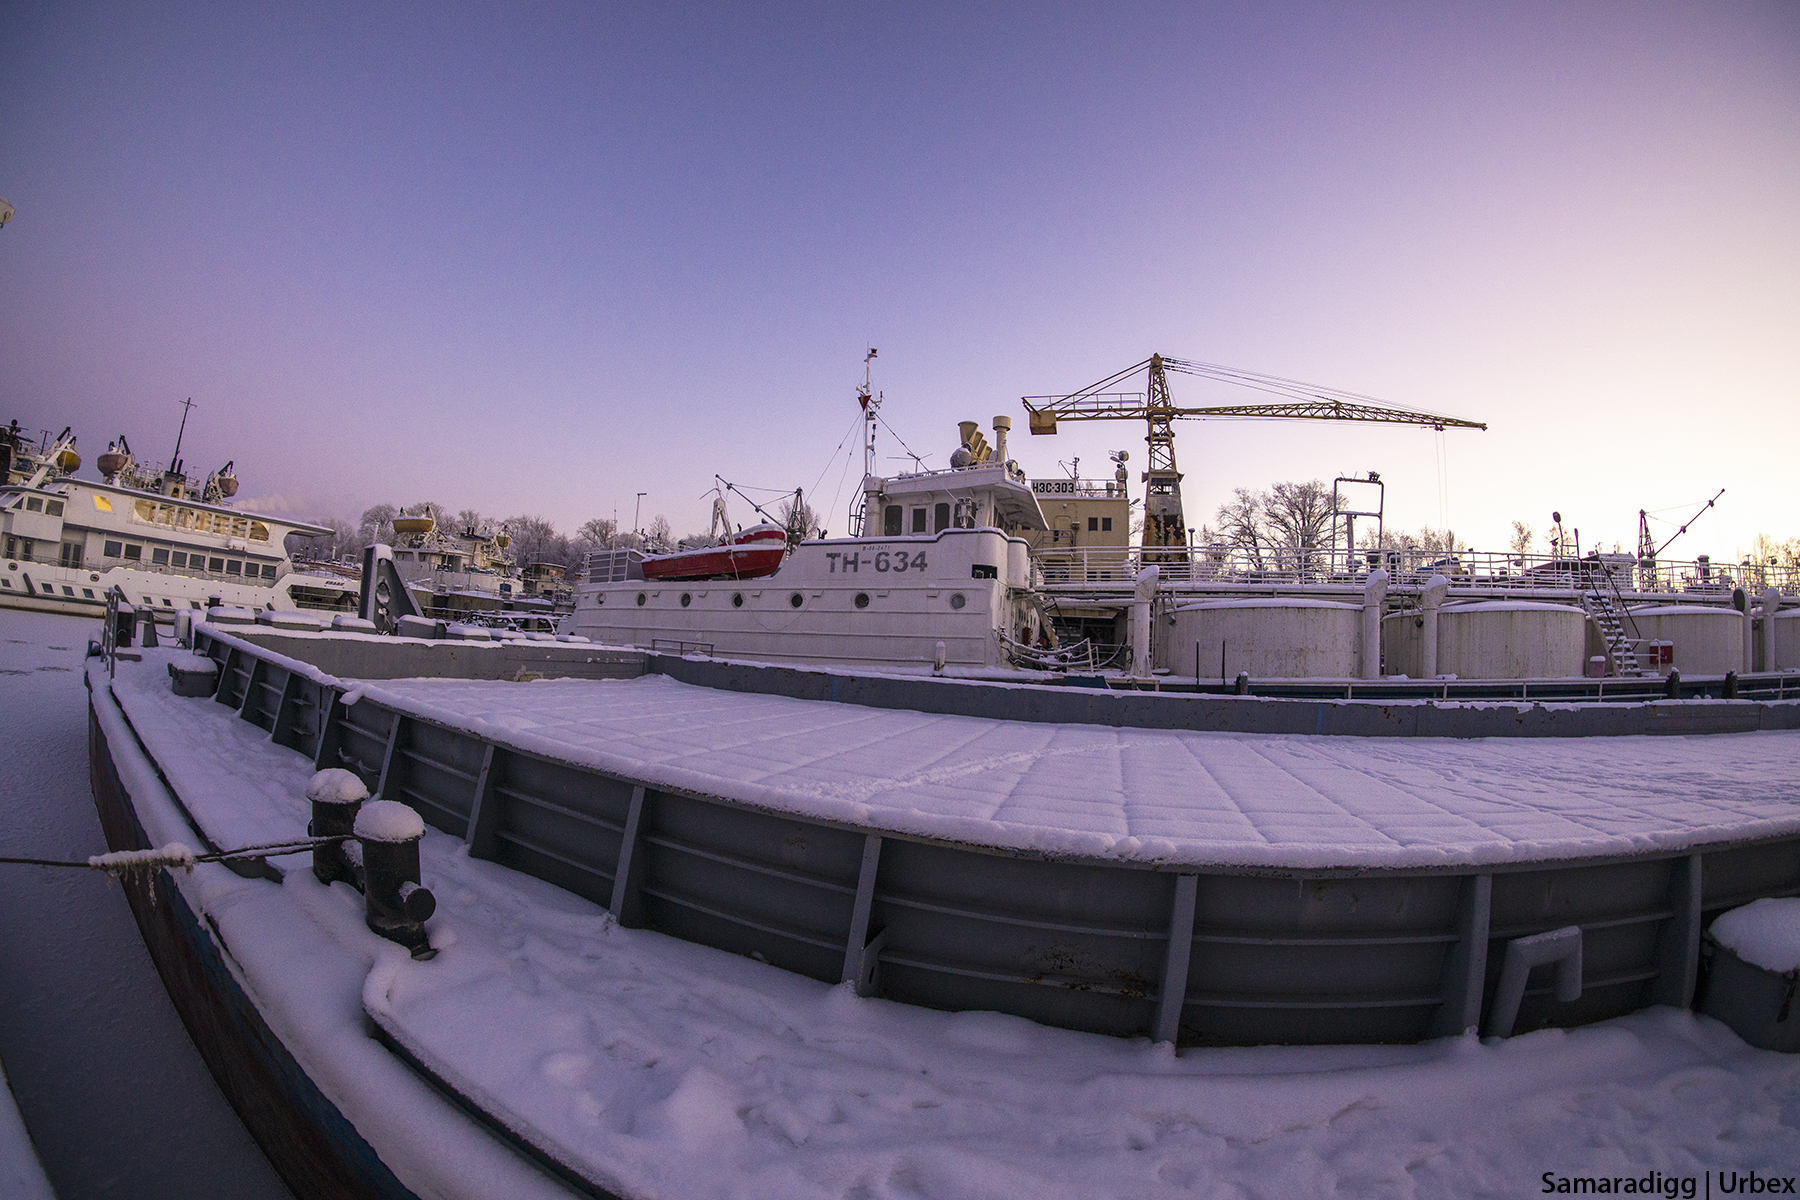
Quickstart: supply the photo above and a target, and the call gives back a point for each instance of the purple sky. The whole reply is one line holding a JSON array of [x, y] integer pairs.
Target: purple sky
[[539, 258]]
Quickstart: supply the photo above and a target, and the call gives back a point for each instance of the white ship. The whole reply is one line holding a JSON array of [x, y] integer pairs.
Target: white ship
[[68, 541], [941, 576]]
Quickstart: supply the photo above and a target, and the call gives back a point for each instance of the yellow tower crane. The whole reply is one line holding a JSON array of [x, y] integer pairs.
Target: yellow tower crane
[[1164, 524]]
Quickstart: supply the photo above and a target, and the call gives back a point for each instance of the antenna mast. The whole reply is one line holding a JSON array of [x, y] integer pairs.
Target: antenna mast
[[175, 458], [866, 397]]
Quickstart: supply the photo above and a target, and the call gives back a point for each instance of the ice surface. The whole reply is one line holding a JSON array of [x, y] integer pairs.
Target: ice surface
[[662, 1068], [1764, 932], [1165, 796]]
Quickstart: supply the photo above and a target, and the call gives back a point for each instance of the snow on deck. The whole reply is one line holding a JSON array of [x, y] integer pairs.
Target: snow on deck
[[668, 1069], [1147, 795]]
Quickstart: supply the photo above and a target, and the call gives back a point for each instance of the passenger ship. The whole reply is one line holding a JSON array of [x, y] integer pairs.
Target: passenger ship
[[68, 541]]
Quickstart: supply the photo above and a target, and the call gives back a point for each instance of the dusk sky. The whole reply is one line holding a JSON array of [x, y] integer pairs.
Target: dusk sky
[[538, 258]]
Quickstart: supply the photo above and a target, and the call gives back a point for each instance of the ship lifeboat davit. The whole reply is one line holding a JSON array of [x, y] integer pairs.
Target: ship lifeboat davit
[[755, 552]]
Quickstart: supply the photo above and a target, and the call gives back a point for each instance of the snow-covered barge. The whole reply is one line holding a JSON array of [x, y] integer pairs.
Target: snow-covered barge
[[1100, 861]]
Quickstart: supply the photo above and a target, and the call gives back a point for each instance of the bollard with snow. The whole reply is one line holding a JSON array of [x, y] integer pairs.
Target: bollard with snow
[[336, 795], [397, 905]]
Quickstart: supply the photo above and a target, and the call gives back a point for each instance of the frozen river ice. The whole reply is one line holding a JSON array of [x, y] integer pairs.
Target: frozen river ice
[[113, 1093]]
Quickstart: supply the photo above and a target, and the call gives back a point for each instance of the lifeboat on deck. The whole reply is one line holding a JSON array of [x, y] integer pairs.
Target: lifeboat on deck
[[755, 552]]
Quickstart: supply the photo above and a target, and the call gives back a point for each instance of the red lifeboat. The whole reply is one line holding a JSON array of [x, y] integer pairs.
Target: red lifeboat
[[755, 552]]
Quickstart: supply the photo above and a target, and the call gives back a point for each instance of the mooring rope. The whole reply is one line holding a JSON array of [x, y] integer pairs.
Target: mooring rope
[[174, 856]]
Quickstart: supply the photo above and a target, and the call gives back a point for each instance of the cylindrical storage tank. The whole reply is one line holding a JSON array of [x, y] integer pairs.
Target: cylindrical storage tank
[[1708, 641], [1273, 638], [1491, 639], [1787, 640]]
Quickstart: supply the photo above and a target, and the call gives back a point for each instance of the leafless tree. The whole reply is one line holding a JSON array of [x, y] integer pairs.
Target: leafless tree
[[1521, 540], [660, 534], [1241, 523], [800, 519], [1297, 517], [377, 525]]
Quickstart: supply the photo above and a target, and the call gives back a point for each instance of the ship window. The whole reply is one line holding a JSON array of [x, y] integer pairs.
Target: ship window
[[686, 599], [234, 567], [102, 504], [796, 600], [259, 532], [983, 571], [34, 504], [268, 570], [134, 552], [184, 518], [67, 590], [215, 564], [1106, 524], [180, 558], [160, 556], [957, 600], [71, 554], [53, 508], [166, 603], [737, 599], [890, 521], [5, 583], [88, 592], [144, 510], [111, 549], [641, 599], [918, 520], [1093, 524], [862, 598], [940, 519]]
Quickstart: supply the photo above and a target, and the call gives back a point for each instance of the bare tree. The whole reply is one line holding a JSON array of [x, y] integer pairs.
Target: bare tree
[[1297, 516], [660, 534], [597, 532], [534, 539], [327, 547], [1520, 545], [1241, 523], [377, 525]]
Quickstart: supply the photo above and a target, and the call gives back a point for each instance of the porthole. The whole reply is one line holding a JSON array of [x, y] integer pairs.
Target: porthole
[[599, 599], [957, 600], [862, 599], [737, 599], [796, 600], [641, 599], [686, 599]]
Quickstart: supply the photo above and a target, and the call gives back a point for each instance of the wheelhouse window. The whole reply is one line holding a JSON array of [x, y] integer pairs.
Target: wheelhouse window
[[890, 521], [112, 549], [918, 520], [133, 552], [268, 570], [212, 564], [234, 567], [34, 504], [179, 559], [1106, 524], [940, 518], [53, 508], [160, 556]]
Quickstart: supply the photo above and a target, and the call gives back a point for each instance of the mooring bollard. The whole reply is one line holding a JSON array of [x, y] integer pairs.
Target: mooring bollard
[[336, 795], [397, 904]]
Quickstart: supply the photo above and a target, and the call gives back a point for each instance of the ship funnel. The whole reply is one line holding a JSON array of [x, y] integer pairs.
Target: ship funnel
[[1001, 426]]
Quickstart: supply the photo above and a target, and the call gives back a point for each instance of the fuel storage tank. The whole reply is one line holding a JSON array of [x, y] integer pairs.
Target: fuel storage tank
[[1277, 637], [1489, 639], [1707, 640]]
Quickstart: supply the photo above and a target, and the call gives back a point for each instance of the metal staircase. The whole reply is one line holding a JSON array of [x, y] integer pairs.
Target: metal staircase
[[1606, 616]]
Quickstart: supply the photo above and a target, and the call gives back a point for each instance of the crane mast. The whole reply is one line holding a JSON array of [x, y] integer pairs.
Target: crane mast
[[1164, 522]]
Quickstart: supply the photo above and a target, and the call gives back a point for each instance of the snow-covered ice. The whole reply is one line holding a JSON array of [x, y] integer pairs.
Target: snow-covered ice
[[663, 1068]]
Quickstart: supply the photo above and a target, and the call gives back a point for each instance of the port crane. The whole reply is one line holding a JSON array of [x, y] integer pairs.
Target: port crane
[[1164, 523]]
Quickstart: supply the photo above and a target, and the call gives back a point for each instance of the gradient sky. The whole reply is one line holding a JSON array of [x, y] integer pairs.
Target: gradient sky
[[541, 257]]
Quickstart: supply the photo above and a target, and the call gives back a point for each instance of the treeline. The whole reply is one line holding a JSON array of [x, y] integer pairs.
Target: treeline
[[1295, 516], [532, 539]]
